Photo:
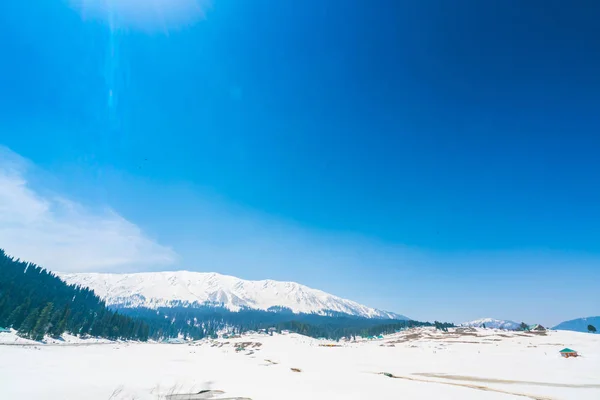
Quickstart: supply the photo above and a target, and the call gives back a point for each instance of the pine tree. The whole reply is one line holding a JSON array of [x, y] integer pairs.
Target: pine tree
[[43, 322], [523, 326], [59, 322], [28, 324], [16, 318]]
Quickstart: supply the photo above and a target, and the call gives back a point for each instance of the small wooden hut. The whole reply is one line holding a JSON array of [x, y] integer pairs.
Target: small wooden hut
[[566, 352]]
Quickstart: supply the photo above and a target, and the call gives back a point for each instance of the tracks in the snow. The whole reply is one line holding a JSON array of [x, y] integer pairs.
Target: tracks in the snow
[[509, 382], [470, 386]]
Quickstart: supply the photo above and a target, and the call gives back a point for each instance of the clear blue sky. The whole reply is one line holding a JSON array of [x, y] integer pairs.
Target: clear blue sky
[[439, 159]]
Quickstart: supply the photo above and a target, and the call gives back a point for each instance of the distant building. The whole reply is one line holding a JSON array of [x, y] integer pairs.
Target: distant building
[[537, 328], [566, 352]]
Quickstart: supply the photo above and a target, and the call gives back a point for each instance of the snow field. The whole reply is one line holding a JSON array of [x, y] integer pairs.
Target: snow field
[[489, 364]]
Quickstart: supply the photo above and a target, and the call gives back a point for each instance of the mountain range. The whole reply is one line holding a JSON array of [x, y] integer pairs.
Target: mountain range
[[154, 290], [493, 324], [579, 324]]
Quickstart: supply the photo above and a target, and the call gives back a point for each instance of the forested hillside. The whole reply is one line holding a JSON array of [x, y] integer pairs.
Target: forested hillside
[[36, 303], [200, 322]]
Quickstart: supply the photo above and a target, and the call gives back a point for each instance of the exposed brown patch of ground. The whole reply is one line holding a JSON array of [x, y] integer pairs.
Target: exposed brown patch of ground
[[412, 336], [468, 342], [248, 344]]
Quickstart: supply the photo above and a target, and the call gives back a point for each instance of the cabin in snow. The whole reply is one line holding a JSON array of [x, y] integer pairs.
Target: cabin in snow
[[536, 328], [566, 352]]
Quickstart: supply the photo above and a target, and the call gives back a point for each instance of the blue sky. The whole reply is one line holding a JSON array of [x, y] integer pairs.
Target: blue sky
[[434, 159]]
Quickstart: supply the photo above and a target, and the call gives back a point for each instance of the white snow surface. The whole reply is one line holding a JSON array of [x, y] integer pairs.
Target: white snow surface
[[68, 339], [493, 324], [11, 338], [185, 288], [483, 365]]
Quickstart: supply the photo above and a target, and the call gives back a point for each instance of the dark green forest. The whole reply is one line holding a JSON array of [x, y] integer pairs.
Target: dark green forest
[[206, 321], [36, 303]]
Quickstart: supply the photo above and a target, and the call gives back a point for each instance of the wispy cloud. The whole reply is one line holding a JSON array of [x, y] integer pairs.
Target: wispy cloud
[[60, 234], [213, 235], [145, 15]]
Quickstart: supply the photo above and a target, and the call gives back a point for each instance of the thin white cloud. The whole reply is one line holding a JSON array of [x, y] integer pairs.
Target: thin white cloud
[[145, 15], [60, 234]]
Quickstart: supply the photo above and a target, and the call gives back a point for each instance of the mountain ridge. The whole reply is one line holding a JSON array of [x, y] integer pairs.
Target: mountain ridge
[[579, 324], [195, 289], [492, 323]]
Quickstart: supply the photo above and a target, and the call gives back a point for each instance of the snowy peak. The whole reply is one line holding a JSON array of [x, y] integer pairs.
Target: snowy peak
[[189, 289], [492, 323]]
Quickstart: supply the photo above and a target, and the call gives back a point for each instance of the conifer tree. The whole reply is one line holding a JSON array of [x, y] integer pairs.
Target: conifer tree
[[523, 326], [28, 324], [16, 317], [43, 322]]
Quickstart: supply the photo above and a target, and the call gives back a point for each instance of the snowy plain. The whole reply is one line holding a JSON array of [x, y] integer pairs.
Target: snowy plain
[[424, 364]]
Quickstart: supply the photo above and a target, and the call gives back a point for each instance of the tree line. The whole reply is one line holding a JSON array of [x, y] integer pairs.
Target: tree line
[[207, 321], [37, 303]]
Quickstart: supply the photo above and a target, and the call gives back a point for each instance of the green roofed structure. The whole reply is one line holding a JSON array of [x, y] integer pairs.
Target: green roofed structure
[[566, 352]]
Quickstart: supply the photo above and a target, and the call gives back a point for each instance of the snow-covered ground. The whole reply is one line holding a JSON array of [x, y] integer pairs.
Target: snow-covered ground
[[11, 338], [424, 364]]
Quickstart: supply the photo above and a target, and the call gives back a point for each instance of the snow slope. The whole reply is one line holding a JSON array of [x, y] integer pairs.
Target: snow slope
[[185, 288], [579, 324], [485, 365], [492, 324]]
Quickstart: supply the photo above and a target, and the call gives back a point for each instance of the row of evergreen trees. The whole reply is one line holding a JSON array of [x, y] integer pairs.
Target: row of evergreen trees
[[197, 323], [37, 303]]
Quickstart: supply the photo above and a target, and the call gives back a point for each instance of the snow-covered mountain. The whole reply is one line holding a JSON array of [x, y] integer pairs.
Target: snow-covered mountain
[[492, 323], [189, 289], [579, 324]]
